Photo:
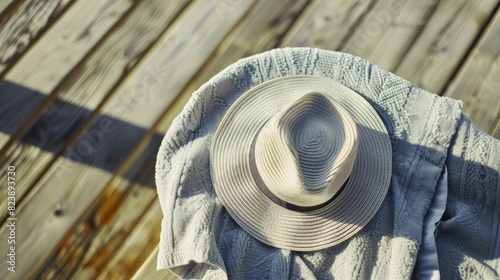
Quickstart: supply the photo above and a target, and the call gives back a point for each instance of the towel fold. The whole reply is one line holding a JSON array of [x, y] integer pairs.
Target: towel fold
[[429, 136]]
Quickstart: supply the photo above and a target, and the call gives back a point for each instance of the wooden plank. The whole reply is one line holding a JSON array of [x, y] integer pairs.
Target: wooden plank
[[107, 66], [6, 6], [138, 246], [87, 88], [88, 248], [176, 59], [444, 42], [35, 76], [66, 43], [72, 187], [388, 30], [192, 39], [25, 26], [123, 265], [477, 83], [148, 270], [122, 261], [102, 233], [325, 24], [261, 30]]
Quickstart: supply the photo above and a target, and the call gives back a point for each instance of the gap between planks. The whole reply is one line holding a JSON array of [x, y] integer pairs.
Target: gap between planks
[[476, 82], [288, 41], [229, 51], [52, 81], [25, 268], [157, 59], [149, 267], [162, 123], [388, 30], [36, 71], [7, 8], [326, 24]]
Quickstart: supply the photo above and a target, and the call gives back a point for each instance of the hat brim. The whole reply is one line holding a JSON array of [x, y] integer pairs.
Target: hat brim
[[271, 223]]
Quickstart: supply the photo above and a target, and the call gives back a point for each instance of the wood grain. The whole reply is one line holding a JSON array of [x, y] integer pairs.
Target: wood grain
[[86, 102], [325, 24], [261, 30], [121, 262], [6, 6], [193, 37], [23, 28], [39, 72], [86, 250], [477, 83], [138, 246], [388, 30], [150, 88], [496, 130], [148, 270], [42, 68], [444, 42]]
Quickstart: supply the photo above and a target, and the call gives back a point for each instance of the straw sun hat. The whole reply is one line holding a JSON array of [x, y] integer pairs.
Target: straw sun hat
[[301, 162]]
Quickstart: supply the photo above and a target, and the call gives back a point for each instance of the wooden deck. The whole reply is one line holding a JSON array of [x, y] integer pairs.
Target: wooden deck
[[88, 88]]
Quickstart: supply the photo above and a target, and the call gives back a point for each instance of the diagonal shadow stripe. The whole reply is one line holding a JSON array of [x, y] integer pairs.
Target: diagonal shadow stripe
[[106, 144]]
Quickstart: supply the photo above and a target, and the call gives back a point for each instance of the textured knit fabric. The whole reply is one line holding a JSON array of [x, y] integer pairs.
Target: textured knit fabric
[[429, 136]]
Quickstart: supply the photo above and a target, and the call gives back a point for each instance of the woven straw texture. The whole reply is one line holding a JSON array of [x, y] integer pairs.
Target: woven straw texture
[[199, 239]]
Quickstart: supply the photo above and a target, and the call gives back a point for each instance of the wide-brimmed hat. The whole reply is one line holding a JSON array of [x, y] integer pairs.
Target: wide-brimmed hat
[[301, 162]]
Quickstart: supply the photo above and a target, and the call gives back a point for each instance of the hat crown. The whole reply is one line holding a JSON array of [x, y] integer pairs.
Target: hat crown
[[306, 151]]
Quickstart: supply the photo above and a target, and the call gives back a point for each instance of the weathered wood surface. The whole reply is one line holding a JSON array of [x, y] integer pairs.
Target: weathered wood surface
[[25, 26], [83, 92], [71, 38], [261, 30], [151, 87], [444, 42], [122, 265], [93, 243], [148, 270], [229, 51], [326, 24], [385, 33], [36, 76], [496, 130], [6, 6], [86, 144], [478, 81], [388, 30]]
